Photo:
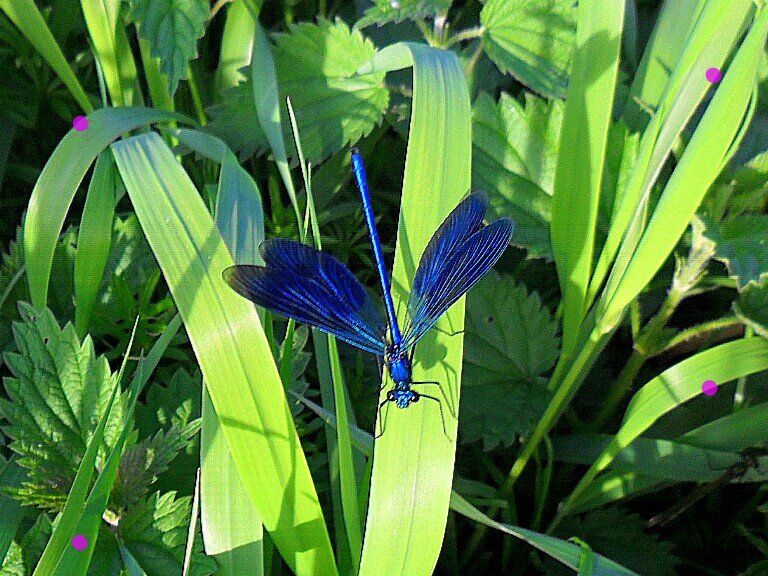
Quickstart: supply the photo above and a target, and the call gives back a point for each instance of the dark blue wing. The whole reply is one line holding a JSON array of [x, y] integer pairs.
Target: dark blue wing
[[314, 288], [454, 267]]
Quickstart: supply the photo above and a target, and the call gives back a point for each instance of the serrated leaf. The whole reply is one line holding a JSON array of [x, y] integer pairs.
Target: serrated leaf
[[532, 40], [58, 393], [752, 308], [742, 245], [384, 11], [622, 537], [142, 463], [154, 531], [315, 64], [176, 404], [514, 156], [172, 28], [510, 342]]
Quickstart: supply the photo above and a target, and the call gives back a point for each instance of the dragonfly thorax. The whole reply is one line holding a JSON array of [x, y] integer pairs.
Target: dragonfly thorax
[[398, 364], [402, 395]]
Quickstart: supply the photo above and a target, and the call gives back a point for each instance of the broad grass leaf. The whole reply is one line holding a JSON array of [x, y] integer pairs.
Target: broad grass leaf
[[57, 394], [742, 245], [511, 341], [172, 28], [514, 156], [621, 536], [752, 308], [532, 40], [315, 64], [384, 11]]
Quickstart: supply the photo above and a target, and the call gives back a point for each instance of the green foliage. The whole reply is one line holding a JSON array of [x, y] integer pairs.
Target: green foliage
[[742, 244], [315, 64], [152, 535], [752, 308], [56, 397], [622, 536], [532, 40], [514, 155], [172, 28], [384, 11], [511, 342]]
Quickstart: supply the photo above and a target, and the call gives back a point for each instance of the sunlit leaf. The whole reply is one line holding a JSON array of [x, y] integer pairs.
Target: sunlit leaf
[[384, 11], [742, 244], [532, 40]]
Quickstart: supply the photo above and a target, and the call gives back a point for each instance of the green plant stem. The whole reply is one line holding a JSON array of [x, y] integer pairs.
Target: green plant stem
[[649, 342], [198, 102], [216, 7], [467, 34]]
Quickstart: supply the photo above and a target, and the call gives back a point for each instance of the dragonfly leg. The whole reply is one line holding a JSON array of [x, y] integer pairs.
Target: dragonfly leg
[[448, 401], [382, 417], [442, 416]]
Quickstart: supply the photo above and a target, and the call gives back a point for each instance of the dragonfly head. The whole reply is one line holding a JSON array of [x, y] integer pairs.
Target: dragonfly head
[[399, 364], [402, 396]]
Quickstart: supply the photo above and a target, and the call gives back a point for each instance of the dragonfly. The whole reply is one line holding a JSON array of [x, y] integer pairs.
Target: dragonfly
[[313, 287]]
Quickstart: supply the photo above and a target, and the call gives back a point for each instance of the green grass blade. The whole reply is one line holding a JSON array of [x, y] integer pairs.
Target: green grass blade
[[566, 552], [698, 168], [26, 16], [94, 239], [413, 463], [710, 44], [236, 46], [267, 100], [671, 388], [232, 528], [587, 117], [232, 351], [667, 42], [111, 47], [58, 182]]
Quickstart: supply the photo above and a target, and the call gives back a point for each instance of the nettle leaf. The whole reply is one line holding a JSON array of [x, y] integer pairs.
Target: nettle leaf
[[58, 393], [172, 28], [142, 463], [154, 533], [314, 65], [514, 156], [742, 245], [510, 342], [175, 406], [752, 308], [532, 40], [384, 11], [622, 537]]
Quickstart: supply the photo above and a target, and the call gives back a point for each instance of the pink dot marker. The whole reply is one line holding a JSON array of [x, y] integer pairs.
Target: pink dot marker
[[709, 387], [714, 75], [80, 123], [79, 542]]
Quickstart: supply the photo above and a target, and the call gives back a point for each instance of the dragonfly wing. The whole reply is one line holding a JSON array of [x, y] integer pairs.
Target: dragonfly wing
[[314, 288], [452, 277], [461, 223]]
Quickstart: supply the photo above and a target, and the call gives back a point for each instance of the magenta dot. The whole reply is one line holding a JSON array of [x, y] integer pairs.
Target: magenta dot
[[79, 542], [80, 123], [714, 75], [709, 387]]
